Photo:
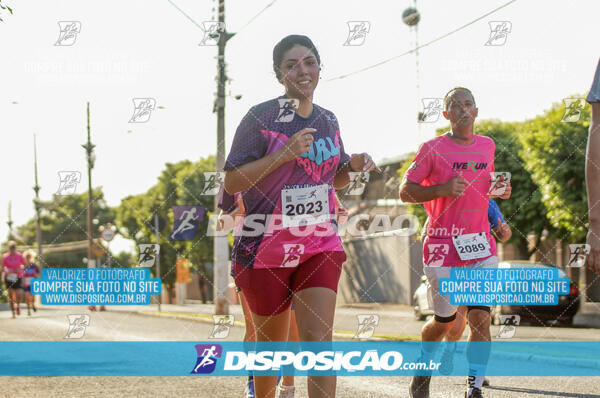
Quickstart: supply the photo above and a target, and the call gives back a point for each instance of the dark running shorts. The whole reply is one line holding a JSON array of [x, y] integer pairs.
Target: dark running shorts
[[268, 291]]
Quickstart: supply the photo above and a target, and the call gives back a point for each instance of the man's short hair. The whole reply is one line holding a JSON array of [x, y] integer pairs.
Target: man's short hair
[[12, 244], [450, 93]]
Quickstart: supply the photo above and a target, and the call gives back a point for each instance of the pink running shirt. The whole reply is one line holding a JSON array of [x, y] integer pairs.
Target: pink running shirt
[[12, 262], [261, 132], [436, 162]]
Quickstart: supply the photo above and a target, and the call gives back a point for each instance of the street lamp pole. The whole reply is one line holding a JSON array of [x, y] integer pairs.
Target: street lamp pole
[[10, 221], [89, 149], [36, 202], [156, 233], [220, 245]]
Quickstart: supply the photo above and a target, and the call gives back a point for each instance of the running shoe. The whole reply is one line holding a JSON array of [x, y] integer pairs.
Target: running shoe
[[249, 391], [447, 362], [419, 387], [475, 393], [486, 382], [286, 391]]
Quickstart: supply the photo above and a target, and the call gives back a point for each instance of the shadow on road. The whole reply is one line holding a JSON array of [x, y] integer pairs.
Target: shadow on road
[[541, 393]]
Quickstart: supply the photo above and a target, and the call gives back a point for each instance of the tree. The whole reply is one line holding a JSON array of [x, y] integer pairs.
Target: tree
[[554, 154], [63, 219], [123, 260], [524, 211], [416, 209], [179, 184], [4, 7], [190, 184]]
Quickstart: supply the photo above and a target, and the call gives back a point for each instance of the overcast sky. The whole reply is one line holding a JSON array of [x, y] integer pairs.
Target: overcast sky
[[149, 49]]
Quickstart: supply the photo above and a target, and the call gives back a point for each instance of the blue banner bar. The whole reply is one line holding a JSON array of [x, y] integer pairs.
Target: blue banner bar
[[96, 286], [219, 358]]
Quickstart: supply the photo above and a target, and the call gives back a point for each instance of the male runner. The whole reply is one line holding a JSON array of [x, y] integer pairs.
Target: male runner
[[450, 175], [592, 175], [503, 233]]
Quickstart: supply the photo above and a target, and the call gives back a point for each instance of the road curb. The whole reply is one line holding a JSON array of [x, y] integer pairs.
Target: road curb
[[348, 335], [341, 334]]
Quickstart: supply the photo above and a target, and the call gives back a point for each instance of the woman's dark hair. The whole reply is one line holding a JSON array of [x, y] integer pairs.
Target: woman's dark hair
[[285, 44]]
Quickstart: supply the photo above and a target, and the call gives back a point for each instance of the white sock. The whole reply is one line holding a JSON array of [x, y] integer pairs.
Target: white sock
[[476, 376]]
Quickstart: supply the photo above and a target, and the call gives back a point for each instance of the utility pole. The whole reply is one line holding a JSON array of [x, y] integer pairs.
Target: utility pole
[[10, 221], [89, 149], [221, 247], [37, 204], [156, 233]]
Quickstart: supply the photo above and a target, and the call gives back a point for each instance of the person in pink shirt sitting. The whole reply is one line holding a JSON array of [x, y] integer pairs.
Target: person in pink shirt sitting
[[12, 272]]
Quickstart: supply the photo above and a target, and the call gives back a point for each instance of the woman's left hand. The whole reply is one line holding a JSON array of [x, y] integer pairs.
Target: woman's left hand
[[362, 162]]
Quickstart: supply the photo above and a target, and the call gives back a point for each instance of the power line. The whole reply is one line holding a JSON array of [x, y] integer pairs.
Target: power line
[[421, 46], [238, 31], [256, 16], [187, 16]]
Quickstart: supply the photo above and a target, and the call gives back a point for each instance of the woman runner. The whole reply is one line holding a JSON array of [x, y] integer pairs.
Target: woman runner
[[31, 271], [288, 159], [12, 269]]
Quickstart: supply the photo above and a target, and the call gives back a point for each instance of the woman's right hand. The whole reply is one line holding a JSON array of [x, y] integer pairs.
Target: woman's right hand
[[298, 144]]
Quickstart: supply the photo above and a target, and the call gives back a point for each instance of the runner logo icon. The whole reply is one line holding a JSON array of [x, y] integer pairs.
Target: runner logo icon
[[186, 222], [213, 181], [499, 31], [77, 326], [358, 182], [68, 182], [68, 33], [432, 109], [148, 254], [207, 358], [508, 326], [573, 108], [222, 325], [287, 109], [366, 326], [577, 255], [292, 254], [212, 32], [357, 32], [437, 253], [142, 109]]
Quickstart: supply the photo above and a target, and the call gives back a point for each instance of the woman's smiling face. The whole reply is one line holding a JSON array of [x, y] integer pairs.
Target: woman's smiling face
[[299, 72]]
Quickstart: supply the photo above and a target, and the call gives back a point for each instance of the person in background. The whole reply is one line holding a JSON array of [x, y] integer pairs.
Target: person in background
[[12, 268], [31, 270]]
